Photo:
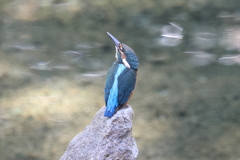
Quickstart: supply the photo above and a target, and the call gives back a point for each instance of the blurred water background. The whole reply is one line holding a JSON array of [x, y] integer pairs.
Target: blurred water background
[[54, 55]]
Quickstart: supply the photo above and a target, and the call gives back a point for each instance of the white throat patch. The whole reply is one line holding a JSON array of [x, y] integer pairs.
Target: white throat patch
[[126, 63]]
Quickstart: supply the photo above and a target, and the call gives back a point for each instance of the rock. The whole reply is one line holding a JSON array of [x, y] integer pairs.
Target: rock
[[105, 138]]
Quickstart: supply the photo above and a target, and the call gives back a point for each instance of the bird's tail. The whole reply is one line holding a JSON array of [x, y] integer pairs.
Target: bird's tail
[[109, 113]]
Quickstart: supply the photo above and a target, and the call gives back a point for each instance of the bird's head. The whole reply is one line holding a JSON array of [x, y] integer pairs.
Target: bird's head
[[125, 54]]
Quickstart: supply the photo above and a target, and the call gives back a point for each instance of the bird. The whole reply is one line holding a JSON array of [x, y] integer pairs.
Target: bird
[[121, 78]]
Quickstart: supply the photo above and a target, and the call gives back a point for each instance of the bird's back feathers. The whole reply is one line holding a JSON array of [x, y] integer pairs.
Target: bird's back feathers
[[119, 85]]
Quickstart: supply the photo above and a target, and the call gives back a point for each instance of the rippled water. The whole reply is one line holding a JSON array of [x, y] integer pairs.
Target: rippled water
[[54, 56]]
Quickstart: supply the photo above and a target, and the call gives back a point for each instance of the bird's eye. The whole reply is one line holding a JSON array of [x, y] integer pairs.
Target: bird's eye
[[121, 48]]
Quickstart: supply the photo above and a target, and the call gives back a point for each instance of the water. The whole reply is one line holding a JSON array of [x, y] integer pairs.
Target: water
[[55, 54]]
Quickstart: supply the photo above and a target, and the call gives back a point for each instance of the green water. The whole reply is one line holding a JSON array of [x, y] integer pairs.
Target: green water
[[54, 56]]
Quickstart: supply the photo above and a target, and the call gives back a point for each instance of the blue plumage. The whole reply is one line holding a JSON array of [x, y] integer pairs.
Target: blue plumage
[[121, 78], [112, 98]]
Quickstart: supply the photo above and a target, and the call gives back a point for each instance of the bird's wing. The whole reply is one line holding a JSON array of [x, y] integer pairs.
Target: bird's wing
[[126, 84], [109, 81]]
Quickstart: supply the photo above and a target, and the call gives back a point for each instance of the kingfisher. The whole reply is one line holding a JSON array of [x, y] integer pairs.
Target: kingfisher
[[121, 78]]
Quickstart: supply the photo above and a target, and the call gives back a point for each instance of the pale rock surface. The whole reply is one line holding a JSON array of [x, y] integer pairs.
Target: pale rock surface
[[105, 138]]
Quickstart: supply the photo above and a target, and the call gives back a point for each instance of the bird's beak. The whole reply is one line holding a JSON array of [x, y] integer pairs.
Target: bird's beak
[[116, 42]]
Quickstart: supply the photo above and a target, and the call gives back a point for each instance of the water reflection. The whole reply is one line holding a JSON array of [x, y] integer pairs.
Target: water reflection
[[87, 46], [204, 38], [229, 59], [231, 39], [59, 121], [171, 34], [91, 77], [41, 66], [200, 58], [19, 47], [53, 61]]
